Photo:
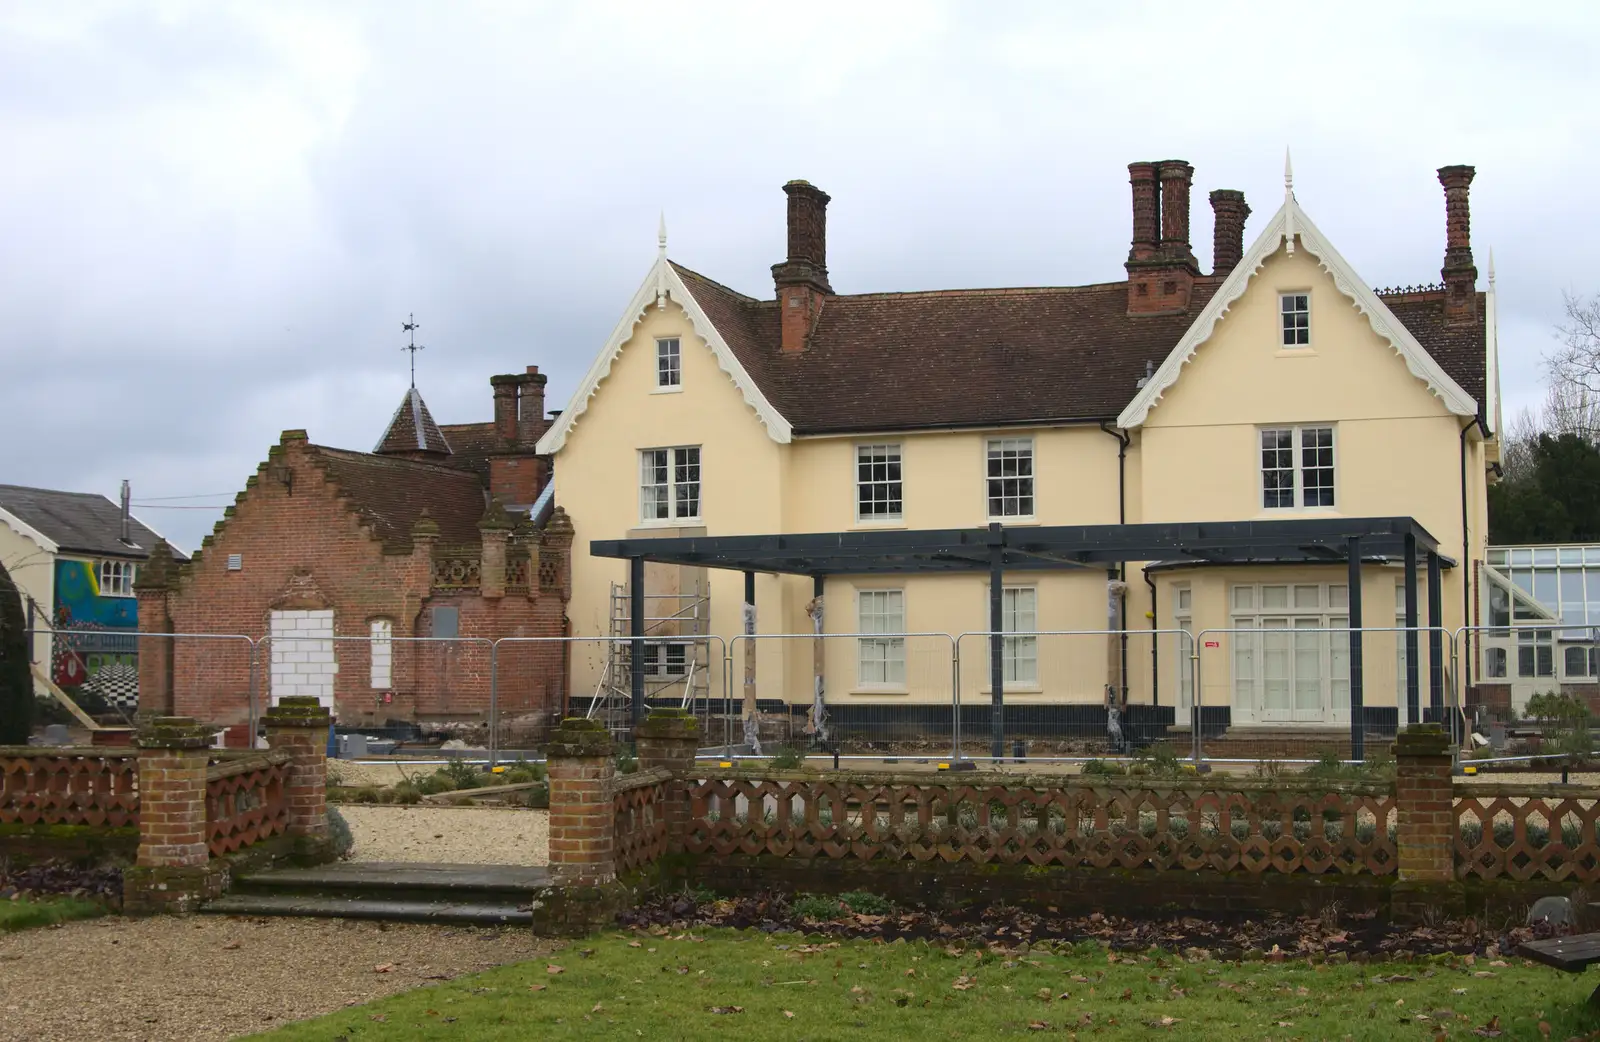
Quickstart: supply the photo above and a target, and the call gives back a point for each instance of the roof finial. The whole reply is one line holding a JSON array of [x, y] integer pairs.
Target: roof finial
[[1288, 202], [411, 325], [661, 262], [1491, 266]]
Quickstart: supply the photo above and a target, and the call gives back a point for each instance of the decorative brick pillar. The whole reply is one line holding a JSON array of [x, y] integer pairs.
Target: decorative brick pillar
[[582, 821], [1425, 832], [154, 588], [299, 724], [494, 528], [173, 871], [669, 738]]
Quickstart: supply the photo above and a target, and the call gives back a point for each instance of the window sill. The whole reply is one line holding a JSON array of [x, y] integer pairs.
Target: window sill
[[1028, 689], [1295, 352], [891, 524], [1271, 513], [678, 389], [674, 522], [1031, 519], [880, 691]]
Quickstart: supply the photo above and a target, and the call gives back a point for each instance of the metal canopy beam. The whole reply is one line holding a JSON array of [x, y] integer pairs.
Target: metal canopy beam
[[1300, 540]]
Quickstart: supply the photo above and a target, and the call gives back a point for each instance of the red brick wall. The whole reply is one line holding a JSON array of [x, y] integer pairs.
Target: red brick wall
[[302, 549]]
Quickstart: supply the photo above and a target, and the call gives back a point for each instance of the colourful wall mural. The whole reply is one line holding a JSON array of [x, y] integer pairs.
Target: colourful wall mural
[[106, 659]]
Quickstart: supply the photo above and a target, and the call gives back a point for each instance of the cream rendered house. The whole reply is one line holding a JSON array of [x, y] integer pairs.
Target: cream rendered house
[[1277, 387]]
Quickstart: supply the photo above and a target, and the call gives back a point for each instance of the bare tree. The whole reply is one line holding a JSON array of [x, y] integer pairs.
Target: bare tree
[[1571, 408], [1516, 444], [1576, 363]]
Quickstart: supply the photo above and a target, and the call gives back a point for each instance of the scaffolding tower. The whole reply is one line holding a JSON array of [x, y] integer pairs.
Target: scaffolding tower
[[677, 658]]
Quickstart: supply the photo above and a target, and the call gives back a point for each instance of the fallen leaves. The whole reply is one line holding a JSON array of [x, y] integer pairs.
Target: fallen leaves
[[1489, 1030], [552, 969], [788, 1014], [536, 987], [964, 983], [722, 1010], [383, 967]]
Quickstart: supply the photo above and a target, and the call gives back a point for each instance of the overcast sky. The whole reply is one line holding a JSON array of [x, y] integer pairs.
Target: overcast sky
[[214, 217]]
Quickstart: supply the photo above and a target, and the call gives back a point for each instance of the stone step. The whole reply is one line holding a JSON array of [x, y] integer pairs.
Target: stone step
[[481, 913], [394, 879]]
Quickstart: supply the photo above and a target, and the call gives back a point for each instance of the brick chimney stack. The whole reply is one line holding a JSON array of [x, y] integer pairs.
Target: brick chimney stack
[[505, 407], [1161, 273], [530, 407], [1460, 275], [1227, 234], [802, 279]]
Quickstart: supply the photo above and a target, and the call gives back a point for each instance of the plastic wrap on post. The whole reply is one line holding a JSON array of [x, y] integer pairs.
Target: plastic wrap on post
[[752, 723], [817, 725]]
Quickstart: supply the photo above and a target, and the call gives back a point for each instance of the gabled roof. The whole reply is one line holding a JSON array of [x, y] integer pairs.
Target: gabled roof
[[77, 522], [662, 283], [390, 494], [412, 429], [1288, 226], [998, 357]]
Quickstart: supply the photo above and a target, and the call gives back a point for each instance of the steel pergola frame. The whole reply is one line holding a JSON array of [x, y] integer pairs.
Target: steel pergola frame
[[998, 549]]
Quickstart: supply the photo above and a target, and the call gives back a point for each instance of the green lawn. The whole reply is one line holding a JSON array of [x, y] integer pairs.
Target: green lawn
[[24, 913], [784, 987]]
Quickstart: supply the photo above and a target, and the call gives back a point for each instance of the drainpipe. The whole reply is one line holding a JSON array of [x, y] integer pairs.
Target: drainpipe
[[1466, 563], [1122, 567]]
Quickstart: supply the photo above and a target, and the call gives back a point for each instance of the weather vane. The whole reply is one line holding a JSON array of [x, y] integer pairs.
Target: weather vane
[[411, 325]]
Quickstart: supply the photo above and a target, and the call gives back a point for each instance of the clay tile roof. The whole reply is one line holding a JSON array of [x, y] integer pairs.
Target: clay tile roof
[[1459, 349], [412, 429], [390, 493], [471, 445], [990, 357]]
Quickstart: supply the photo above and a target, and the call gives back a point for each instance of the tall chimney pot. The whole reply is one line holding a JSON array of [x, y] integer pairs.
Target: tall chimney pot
[[1176, 176], [802, 280], [1146, 203]]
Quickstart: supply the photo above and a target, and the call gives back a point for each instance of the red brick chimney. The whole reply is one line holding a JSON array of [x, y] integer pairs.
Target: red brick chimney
[[1460, 275], [505, 407], [802, 280], [530, 407], [1160, 274], [1227, 233]]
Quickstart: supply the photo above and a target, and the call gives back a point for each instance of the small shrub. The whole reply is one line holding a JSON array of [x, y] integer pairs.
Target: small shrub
[[816, 906], [1104, 768], [344, 842], [520, 776], [627, 763], [539, 796], [405, 792], [787, 759], [863, 903], [433, 784], [462, 775], [366, 794]]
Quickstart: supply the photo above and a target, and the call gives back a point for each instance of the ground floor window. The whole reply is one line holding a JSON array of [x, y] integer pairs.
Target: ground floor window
[[382, 671], [664, 659], [1019, 613], [1291, 654], [881, 661], [1183, 619]]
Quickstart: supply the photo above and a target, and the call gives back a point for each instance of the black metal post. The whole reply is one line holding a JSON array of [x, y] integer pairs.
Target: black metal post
[[997, 645], [1358, 723], [1413, 701], [636, 632], [1435, 636]]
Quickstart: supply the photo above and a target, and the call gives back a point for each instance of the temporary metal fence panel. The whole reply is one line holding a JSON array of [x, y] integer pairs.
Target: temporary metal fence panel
[[680, 672], [1295, 690], [1510, 668], [856, 693], [1070, 694], [209, 676], [380, 682]]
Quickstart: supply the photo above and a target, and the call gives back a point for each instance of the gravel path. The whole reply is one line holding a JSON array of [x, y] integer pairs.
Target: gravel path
[[452, 835], [208, 977]]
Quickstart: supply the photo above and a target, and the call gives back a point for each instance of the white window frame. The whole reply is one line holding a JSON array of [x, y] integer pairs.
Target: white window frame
[[116, 577], [676, 488], [1019, 656], [669, 364], [1328, 620], [1183, 619], [1297, 465], [381, 654], [667, 658], [893, 488], [994, 455], [881, 661], [1298, 336]]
